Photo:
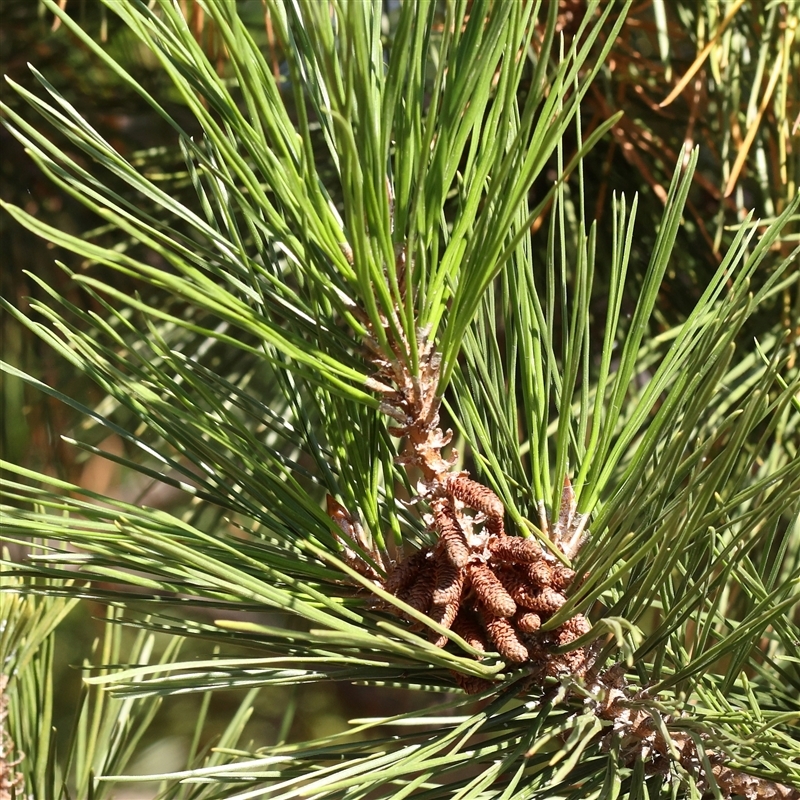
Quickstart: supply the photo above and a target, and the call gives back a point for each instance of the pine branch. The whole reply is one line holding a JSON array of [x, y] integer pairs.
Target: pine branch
[[635, 639]]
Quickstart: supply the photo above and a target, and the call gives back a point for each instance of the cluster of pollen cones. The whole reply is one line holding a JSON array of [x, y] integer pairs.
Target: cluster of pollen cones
[[493, 590]]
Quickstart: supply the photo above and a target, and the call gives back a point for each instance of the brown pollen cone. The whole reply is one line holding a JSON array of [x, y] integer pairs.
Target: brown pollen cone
[[476, 495], [515, 583], [545, 601], [540, 574], [467, 627], [562, 577], [450, 533], [492, 594], [515, 549], [527, 621], [449, 582], [420, 594], [572, 629], [471, 684], [404, 573], [445, 615], [495, 527], [505, 639]]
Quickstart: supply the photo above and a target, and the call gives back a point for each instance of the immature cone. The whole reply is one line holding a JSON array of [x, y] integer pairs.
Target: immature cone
[[493, 596]]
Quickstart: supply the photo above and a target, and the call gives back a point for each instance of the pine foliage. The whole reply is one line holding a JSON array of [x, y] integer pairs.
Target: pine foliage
[[601, 576]]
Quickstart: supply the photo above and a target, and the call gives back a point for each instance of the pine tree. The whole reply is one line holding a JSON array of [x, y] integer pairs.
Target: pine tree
[[451, 455]]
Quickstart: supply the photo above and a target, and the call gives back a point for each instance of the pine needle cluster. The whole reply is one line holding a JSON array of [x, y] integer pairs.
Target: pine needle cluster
[[423, 427]]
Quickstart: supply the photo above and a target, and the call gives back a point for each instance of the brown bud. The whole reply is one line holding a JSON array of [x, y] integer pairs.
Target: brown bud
[[450, 533], [467, 627], [643, 725], [505, 639], [341, 516], [567, 508], [562, 577], [493, 596], [449, 582], [471, 684], [395, 413], [540, 574], [404, 572], [614, 678], [476, 495], [527, 621], [515, 549], [351, 534]]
